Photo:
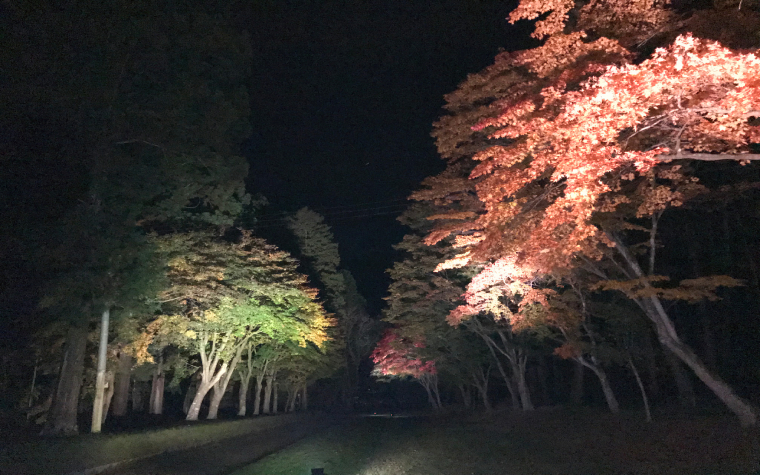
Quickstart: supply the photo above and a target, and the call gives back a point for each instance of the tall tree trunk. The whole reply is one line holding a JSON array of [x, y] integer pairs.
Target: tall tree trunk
[[650, 360], [62, 418], [641, 388], [97, 405], [293, 399], [121, 385], [243, 394], [192, 389], [686, 396], [276, 398], [268, 395], [220, 388], [666, 333], [217, 394], [157, 388], [519, 363], [107, 395], [257, 395], [464, 391], [195, 407], [305, 397], [609, 395], [138, 396], [480, 381], [576, 387]]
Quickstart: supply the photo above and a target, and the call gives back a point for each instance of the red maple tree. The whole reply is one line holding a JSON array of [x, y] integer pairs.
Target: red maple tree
[[584, 126], [395, 356]]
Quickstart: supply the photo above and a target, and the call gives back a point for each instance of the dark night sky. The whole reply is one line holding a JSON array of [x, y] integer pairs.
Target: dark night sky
[[343, 98]]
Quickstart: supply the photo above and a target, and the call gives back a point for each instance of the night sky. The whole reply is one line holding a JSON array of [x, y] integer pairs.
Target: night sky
[[343, 98]]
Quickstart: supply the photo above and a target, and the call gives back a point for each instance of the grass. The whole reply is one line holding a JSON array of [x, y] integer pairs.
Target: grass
[[93, 450], [547, 442]]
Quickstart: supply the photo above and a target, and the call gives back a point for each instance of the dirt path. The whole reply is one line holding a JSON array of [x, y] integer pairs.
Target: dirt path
[[220, 457]]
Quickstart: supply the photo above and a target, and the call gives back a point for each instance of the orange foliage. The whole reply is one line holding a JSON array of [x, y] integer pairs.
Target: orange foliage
[[571, 124]]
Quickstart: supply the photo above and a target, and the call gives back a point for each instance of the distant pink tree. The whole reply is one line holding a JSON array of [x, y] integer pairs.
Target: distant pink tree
[[395, 357]]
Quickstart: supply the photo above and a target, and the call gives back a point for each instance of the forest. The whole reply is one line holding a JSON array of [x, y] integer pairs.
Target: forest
[[591, 238]]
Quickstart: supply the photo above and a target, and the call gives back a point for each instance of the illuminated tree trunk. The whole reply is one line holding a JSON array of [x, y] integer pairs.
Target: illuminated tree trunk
[[430, 383], [519, 365], [156, 403], [100, 381], [221, 385], [121, 385], [480, 381], [268, 394], [609, 395], [257, 395], [107, 395], [686, 396], [666, 333], [62, 418], [293, 399], [243, 395], [477, 327], [641, 389], [246, 372], [211, 347]]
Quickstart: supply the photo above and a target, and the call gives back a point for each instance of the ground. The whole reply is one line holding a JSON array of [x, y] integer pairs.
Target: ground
[[546, 442]]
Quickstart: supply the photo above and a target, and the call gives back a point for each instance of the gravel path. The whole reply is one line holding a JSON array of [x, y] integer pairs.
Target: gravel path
[[222, 457]]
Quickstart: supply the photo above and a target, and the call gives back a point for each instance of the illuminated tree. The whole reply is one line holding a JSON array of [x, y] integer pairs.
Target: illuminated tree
[[397, 357], [224, 294], [585, 132]]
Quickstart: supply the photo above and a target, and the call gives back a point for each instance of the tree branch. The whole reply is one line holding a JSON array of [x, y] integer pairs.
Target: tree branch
[[709, 157]]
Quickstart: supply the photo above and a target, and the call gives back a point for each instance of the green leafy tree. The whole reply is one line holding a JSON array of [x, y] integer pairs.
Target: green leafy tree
[[224, 295]]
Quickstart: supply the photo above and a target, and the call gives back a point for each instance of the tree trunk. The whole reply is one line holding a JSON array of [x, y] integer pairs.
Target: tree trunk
[[108, 395], [268, 395], [666, 333], [97, 405], [192, 389], [576, 388], [195, 407], [293, 399], [641, 388], [62, 418], [243, 394], [305, 398], [157, 388], [276, 398], [220, 387], [121, 385], [138, 396], [480, 382], [742, 409], [257, 396], [217, 394], [519, 364], [609, 396], [686, 395], [650, 359], [464, 391]]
